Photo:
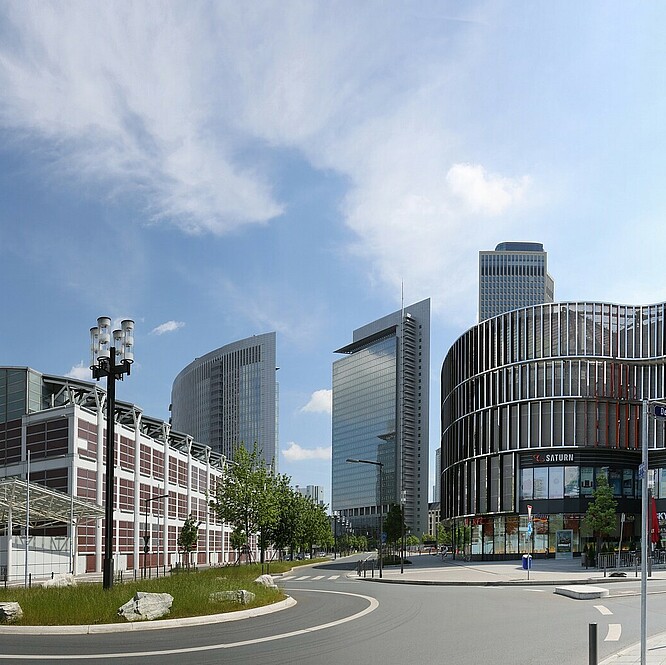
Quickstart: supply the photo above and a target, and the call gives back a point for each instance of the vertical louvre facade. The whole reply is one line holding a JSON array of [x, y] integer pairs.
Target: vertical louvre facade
[[380, 413], [539, 401], [229, 397]]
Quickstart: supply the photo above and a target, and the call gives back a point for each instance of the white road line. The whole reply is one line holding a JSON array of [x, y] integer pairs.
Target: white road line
[[535, 590], [334, 577], [603, 609], [302, 577], [614, 632], [288, 577], [373, 605], [318, 577]]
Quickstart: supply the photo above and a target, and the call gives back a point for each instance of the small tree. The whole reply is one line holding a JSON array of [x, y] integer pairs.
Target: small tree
[[600, 517], [394, 525], [188, 538]]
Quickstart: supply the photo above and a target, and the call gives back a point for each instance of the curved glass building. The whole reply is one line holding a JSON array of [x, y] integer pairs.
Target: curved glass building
[[229, 397], [536, 404]]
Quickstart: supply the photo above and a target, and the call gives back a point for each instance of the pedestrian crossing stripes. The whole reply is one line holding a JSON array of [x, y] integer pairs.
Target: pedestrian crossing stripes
[[314, 578]]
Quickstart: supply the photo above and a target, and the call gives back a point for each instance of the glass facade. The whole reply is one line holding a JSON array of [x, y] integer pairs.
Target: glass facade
[[229, 397], [380, 414], [539, 401]]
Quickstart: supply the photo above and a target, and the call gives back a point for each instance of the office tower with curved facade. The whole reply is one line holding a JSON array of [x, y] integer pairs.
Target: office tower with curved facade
[[537, 403], [229, 397]]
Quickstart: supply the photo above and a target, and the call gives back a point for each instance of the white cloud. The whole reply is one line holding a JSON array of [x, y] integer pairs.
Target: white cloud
[[80, 371], [178, 110], [126, 100], [294, 453], [482, 192], [169, 326], [321, 401]]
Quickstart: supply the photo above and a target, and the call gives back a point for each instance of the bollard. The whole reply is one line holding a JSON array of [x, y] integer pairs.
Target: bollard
[[29, 580], [593, 644]]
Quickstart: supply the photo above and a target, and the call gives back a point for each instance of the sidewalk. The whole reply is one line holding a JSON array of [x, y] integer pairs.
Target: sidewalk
[[429, 569]]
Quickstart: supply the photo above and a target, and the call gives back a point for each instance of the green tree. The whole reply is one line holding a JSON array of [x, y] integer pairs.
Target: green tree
[[246, 496], [188, 538], [600, 517], [394, 525]]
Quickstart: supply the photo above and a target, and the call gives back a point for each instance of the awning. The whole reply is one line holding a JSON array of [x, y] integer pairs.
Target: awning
[[47, 506]]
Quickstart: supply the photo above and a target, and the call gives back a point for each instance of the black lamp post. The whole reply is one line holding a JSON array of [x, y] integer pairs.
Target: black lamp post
[[110, 358], [403, 500], [335, 535], [381, 520]]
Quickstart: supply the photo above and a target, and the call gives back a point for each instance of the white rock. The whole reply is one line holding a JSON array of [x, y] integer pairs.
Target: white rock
[[267, 581], [145, 606], [10, 612], [65, 579]]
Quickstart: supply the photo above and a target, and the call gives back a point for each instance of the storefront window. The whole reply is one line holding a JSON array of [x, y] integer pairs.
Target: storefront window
[[488, 535], [476, 539], [628, 483], [499, 536], [615, 481], [512, 527], [541, 483], [586, 480], [661, 492], [527, 483], [573, 522], [571, 486], [540, 534], [555, 523], [556, 482]]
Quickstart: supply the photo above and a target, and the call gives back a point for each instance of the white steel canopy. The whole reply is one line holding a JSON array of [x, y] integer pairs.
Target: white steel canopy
[[47, 506]]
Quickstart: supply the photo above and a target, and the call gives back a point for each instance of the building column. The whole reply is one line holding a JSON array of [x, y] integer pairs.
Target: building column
[[166, 430], [138, 541], [207, 509], [100, 399], [10, 548]]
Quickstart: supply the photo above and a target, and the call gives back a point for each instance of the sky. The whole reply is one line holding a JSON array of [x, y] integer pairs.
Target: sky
[[215, 170]]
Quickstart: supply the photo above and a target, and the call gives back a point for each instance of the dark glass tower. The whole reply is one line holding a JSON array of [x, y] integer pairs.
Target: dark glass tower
[[380, 414]]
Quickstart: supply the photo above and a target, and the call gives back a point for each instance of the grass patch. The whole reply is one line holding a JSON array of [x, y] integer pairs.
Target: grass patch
[[91, 604]]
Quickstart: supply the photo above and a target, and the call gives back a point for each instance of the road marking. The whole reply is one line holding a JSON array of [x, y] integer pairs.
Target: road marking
[[288, 577], [318, 577], [603, 609], [614, 632], [373, 604], [302, 577], [535, 590], [334, 577]]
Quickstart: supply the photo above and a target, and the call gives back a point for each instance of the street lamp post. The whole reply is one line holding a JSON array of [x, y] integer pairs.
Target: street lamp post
[[110, 358], [403, 500], [381, 520], [146, 536], [335, 535]]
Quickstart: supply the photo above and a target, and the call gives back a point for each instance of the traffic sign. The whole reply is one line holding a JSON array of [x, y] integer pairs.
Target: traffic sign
[[659, 410]]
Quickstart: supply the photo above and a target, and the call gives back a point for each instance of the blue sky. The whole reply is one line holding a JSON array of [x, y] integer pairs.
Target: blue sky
[[215, 170]]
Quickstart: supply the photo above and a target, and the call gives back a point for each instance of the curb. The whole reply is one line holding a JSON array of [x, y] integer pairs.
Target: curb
[[159, 624], [591, 580]]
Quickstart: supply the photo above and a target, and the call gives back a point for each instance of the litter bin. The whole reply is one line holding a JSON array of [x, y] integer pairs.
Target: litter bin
[[527, 561]]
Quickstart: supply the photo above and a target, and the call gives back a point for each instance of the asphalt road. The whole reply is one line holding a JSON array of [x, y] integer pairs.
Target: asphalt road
[[340, 621]]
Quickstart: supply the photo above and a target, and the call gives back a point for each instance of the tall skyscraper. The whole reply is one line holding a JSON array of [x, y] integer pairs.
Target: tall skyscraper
[[314, 492], [229, 397], [514, 275], [380, 415]]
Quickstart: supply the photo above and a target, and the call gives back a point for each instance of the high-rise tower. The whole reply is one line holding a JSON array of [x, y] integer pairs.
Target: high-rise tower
[[514, 275], [380, 414], [229, 397]]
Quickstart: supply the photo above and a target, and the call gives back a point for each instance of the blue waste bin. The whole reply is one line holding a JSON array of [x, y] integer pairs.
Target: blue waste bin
[[527, 561]]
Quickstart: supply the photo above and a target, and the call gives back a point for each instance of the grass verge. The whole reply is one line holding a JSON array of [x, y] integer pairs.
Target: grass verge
[[87, 604]]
